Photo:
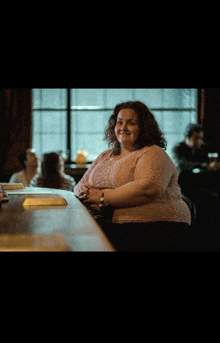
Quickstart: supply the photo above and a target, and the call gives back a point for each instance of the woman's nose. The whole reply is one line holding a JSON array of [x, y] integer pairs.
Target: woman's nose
[[124, 127]]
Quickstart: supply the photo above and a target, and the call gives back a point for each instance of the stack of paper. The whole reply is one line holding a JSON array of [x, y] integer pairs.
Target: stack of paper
[[28, 190], [7, 186], [49, 242], [43, 200]]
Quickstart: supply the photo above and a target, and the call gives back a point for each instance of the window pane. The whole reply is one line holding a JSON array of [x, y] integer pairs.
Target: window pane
[[53, 142], [49, 142], [176, 121], [54, 98], [179, 98], [87, 97], [49, 131], [89, 121], [49, 121], [158, 115], [115, 96], [36, 121], [36, 98], [54, 121], [150, 97], [37, 142]]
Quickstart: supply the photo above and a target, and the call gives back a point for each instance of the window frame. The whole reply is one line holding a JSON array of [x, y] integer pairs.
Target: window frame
[[70, 109]]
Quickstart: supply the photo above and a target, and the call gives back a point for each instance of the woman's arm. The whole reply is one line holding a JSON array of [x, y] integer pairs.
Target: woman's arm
[[134, 193]]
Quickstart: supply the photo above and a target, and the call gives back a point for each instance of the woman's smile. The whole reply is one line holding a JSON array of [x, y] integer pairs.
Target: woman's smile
[[124, 133]]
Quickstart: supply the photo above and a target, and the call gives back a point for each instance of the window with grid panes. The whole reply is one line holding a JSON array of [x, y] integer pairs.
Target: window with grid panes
[[76, 118]]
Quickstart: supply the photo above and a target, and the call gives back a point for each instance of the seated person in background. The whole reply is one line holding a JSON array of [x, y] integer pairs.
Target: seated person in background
[[139, 180], [192, 154], [52, 174], [30, 162], [202, 186]]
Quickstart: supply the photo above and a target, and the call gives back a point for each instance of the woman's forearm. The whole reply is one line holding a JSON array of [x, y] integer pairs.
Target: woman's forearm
[[135, 193]]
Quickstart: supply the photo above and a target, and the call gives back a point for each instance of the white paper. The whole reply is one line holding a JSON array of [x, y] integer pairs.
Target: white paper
[[25, 191]]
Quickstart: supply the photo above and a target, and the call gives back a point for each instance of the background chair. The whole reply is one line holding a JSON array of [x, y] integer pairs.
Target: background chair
[[192, 209]]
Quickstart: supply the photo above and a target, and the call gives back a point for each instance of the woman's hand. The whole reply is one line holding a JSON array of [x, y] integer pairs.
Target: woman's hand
[[82, 190], [90, 194]]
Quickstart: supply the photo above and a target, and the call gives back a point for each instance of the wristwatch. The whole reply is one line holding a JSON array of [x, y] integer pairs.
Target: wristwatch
[[102, 199]]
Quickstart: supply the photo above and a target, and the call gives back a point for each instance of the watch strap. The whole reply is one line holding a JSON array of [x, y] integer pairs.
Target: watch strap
[[102, 199]]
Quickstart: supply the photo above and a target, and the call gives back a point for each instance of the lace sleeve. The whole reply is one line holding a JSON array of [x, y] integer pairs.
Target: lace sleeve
[[154, 167]]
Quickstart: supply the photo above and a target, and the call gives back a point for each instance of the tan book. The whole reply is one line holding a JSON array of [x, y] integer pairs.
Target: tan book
[[50, 242], [7, 186], [43, 200]]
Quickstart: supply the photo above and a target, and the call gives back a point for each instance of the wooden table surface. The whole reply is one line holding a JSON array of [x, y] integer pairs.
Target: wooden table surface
[[49, 228]]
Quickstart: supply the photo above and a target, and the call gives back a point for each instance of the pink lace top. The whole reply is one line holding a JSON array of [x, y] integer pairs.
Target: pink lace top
[[108, 171]]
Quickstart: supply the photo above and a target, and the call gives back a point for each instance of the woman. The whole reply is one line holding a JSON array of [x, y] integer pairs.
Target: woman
[[52, 175], [139, 179]]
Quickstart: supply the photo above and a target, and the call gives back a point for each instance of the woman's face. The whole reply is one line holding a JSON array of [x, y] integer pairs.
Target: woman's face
[[127, 128]]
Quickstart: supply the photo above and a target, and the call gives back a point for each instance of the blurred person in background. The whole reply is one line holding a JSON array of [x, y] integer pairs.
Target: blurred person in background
[[199, 179], [30, 163], [52, 174], [195, 169], [193, 152]]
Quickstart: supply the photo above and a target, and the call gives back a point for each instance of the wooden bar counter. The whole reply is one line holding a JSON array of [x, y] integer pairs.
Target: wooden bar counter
[[49, 228]]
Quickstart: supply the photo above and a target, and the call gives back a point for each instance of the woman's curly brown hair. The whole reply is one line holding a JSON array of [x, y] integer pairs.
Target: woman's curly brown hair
[[150, 132]]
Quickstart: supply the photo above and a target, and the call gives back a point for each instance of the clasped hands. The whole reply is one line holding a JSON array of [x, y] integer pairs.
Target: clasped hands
[[213, 166], [90, 194]]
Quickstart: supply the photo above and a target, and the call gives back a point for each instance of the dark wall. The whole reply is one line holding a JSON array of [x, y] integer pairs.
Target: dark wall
[[211, 117], [16, 125]]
